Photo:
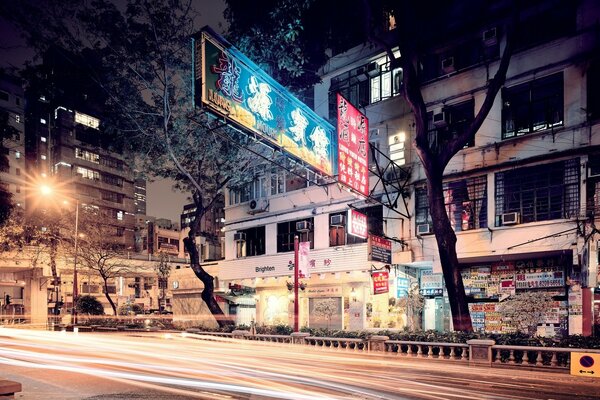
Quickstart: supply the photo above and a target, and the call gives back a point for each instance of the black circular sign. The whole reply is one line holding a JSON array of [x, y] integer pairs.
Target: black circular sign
[[586, 361]]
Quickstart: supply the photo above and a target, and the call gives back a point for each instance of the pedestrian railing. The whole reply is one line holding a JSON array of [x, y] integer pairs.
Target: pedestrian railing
[[346, 344], [430, 350], [531, 356]]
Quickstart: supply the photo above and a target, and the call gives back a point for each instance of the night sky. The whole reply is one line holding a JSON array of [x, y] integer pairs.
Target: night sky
[[162, 202]]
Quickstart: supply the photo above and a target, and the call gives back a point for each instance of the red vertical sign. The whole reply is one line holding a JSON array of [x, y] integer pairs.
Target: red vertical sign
[[353, 147], [380, 282]]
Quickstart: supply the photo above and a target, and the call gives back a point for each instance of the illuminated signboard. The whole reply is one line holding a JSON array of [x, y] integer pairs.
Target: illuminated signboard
[[380, 282], [234, 87], [353, 147], [357, 224]]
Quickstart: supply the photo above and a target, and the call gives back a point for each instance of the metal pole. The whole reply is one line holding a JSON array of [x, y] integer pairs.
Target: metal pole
[[296, 308], [75, 291]]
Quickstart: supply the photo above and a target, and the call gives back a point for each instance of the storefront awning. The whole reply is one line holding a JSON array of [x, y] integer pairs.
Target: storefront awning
[[236, 299]]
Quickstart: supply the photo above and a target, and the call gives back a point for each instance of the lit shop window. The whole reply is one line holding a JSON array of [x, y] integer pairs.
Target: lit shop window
[[87, 120]]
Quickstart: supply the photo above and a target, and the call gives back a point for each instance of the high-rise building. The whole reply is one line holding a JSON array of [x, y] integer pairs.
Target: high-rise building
[[139, 196], [65, 141], [12, 106]]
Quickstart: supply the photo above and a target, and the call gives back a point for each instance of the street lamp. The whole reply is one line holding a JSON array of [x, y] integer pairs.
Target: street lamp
[[47, 190]]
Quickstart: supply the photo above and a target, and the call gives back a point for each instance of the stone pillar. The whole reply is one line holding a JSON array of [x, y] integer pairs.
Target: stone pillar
[[35, 299], [377, 343], [299, 337], [480, 352], [239, 334]]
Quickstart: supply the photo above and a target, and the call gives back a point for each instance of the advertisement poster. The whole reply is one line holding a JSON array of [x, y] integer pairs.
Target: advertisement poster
[[431, 284], [304, 259], [380, 249], [357, 224], [353, 147]]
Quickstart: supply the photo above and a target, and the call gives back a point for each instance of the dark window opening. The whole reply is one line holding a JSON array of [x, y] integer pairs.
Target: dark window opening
[[451, 122], [287, 230], [254, 243]]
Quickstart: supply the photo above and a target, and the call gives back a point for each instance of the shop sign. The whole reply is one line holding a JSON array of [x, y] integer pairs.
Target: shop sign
[[357, 224], [232, 86], [431, 284], [380, 249], [380, 282], [535, 280], [353, 147], [324, 291], [402, 285]]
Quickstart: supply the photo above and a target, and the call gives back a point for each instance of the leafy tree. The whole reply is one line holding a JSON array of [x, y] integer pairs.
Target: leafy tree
[[418, 27], [89, 305], [139, 56]]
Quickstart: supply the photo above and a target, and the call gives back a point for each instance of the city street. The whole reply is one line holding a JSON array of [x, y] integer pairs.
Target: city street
[[59, 365]]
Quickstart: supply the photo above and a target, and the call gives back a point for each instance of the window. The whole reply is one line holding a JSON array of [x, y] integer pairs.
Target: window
[[465, 201], [532, 106], [87, 155], [286, 232], [254, 245], [337, 233], [112, 180], [42, 121], [120, 215], [3, 95], [18, 189], [539, 193], [456, 118], [17, 154], [112, 196], [593, 95], [88, 173], [87, 120], [17, 118], [43, 139], [277, 181], [18, 171]]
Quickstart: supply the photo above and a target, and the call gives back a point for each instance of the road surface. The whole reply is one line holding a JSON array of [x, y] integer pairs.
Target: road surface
[[65, 366]]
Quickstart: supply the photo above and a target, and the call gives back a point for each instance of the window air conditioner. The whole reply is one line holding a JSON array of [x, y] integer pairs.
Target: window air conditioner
[[239, 237], [489, 37], [337, 220], [448, 65], [511, 218], [303, 226], [257, 206], [439, 117], [373, 69], [423, 229]]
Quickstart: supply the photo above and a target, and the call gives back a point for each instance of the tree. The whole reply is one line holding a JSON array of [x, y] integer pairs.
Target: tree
[[6, 132], [419, 26], [89, 305], [98, 252], [139, 56]]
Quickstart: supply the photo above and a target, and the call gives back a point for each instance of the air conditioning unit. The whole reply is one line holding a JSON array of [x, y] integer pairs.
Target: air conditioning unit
[[448, 65], [439, 118], [239, 237], [423, 229], [257, 206], [373, 69], [303, 226], [337, 220], [489, 37], [511, 218]]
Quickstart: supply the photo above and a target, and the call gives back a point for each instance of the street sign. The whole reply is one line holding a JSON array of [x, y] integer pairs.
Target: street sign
[[585, 364]]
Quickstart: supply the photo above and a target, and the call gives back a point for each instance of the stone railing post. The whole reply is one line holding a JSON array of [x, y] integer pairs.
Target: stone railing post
[[377, 343], [299, 337], [239, 334], [480, 352]]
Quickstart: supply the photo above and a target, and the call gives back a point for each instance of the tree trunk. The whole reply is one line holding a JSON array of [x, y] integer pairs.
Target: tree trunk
[[110, 300], [446, 241], [208, 281]]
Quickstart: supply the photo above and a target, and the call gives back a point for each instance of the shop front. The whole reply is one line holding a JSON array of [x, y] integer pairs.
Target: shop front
[[341, 291]]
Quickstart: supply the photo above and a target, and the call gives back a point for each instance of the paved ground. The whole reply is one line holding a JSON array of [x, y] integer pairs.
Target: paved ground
[[54, 365]]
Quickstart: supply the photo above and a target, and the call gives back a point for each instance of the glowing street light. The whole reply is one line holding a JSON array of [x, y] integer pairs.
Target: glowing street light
[[47, 190]]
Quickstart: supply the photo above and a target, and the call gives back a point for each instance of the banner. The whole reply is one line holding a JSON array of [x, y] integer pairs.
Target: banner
[[304, 260]]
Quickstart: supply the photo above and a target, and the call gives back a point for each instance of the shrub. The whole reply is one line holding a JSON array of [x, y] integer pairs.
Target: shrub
[[89, 305]]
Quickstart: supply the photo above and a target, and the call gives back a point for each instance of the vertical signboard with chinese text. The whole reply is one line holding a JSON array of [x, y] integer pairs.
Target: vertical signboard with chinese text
[[380, 282], [304, 259], [234, 87], [353, 147], [357, 224]]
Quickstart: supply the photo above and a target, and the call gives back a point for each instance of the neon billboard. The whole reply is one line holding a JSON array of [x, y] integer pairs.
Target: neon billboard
[[353, 147], [235, 88]]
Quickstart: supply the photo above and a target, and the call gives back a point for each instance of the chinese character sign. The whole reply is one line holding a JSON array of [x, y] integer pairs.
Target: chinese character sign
[[380, 249], [353, 147], [357, 224], [234, 87], [304, 261], [380, 282]]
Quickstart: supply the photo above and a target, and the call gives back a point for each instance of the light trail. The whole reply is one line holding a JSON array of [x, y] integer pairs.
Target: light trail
[[225, 368]]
